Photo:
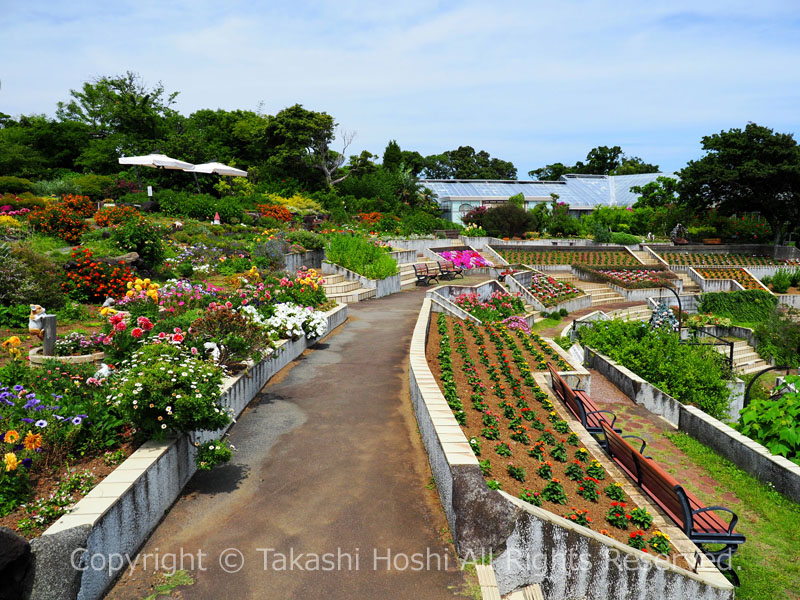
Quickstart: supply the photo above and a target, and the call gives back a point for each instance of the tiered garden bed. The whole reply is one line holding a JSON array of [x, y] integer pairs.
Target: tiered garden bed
[[550, 291], [723, 260], [523, 445], [604, 258], [747, 281]]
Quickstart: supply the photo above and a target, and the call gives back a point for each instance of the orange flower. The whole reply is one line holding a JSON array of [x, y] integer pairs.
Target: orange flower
[[11, 437], [32, 441]]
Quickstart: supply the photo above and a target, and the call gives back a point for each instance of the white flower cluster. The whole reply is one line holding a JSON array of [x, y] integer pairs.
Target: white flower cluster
[[292, 321], [253, 314]]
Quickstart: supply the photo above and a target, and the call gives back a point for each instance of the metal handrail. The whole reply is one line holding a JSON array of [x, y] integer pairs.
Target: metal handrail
[[722, 342]]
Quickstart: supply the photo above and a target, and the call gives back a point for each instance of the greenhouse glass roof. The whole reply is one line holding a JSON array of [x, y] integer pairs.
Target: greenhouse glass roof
[[579, 191]]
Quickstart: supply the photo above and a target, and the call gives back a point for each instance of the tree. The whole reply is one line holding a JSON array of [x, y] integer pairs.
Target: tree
[[602, 160], [392, 156], [465, 163], [661, 192], [506, 220], [414, 161], [748, 170]]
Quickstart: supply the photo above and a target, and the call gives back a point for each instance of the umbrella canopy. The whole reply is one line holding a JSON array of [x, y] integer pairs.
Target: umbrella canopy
[[218, 168], [160, 161]]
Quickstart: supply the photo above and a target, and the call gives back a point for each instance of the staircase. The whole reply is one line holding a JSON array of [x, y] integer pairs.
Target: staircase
[[646, 258], [345, 292], [689, 285], [745, 359], [634, 313], [601, 294]]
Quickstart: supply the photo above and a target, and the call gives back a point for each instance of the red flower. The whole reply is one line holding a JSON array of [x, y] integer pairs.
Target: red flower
[[136, 332]]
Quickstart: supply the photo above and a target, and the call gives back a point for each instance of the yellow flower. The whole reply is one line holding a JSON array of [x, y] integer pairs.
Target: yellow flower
[[13, 341], [32, 441], [11, 436], [107, 311], [11, 461], [129, 293], [130, 284]]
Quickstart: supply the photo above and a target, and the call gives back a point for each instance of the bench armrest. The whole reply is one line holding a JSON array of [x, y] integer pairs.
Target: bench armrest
[[608, 412], [636, 437], [734, 519]]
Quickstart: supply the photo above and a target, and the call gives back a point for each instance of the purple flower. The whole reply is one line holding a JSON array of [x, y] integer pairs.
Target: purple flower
[[41, 423], [27, 420], [26, 462], [77, 420]]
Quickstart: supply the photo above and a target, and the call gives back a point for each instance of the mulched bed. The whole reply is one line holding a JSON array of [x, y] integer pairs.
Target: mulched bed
[[46, 482], [506, 396]]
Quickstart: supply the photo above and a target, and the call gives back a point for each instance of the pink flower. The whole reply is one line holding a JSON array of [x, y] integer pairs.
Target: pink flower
[[177, 338], [162, 335], [194, 351], [120, 326], [228, 305], [107, 340], [144, 323], [177, 330], [136, 332]]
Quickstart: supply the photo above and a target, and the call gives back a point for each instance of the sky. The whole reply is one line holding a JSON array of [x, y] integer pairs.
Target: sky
[[531, 82]]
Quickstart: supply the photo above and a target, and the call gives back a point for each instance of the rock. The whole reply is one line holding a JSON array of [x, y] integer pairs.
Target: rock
[[129, 259], [15, 564], [149, 206], [54, 574]]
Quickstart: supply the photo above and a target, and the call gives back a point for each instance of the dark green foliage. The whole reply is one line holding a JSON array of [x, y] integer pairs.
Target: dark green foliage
[[624, 239], [561, 224], [692, 374], [601, 233], [197, 206], [36, 279], [141, 236], [751, 306], [14, 316], [14, 185], [96, 187], [361, 256], [775, 422], [506, 220], [779, 336], [306, 239]]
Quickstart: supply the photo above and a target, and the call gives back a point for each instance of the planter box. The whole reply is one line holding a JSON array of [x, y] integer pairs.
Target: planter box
[[529, 544], [117, 516], [382, 287], [36, 357], [312, 258]]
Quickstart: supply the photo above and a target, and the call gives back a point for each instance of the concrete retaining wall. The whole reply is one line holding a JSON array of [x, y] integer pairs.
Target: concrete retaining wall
[[789, 300], [642, 294], [382, 287], [128, 504], [529, 544], [312, 258], [404, 256]]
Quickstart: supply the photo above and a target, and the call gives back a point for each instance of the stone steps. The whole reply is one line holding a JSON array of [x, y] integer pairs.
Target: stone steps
[[645, 258], [353, 296], [340, 287], [634, 313]]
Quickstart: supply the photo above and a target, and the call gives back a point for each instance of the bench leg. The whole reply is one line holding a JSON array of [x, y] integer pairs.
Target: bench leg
[[722, 560]]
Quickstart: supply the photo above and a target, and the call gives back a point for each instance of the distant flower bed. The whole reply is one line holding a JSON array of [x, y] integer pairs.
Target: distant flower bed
[[598, 258], [634, 276], [740, 275], [743, 260], [550, 291], [500, 305], [466, 259]]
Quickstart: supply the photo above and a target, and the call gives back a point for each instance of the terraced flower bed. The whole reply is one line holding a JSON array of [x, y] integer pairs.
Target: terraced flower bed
[[550, 291], [605, 258], [723, 260], [523, 445], [499, 306], [740, 275]]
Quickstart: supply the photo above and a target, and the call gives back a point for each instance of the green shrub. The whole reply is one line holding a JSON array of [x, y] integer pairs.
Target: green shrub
[[56, 187], [624, 239], [14, 316], [307, 239], [751, 306], [781, 281], [94, 186], [141, 236], [779, 336], [15, 185], [507, 220], [43, 280], [601, 234], [198, 206], [775, 423], [361, 256], [692, 374]]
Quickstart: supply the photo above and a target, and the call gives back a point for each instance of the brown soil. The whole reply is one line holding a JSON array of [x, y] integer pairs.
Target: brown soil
[[520, 458], [45, 483]]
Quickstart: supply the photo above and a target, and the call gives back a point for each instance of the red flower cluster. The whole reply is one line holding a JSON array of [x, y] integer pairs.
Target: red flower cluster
[[81, 205], [94, 279], [275, 211], [59, 221], [370, 218]]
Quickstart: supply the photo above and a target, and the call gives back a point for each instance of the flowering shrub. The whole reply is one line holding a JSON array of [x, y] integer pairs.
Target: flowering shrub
[[95, 280], [80, 205], [499, 306], [370, 218], [8, 211], [79, 343], [213, 453], [637, 540], [581, 517], [466, 259], [530, 496], [275, 211], [238, 335], [660, 542], [550, 291], [140, 236], [163, 387], [291, 321], [58, 221], [617, 516], [474, 230], [113, 215]]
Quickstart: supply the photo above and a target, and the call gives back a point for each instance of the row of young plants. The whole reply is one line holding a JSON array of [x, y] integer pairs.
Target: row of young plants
[[726, 259], [498, 306], [631, 278], [747, 281], [167, 350], [522, 444], [605, 258], [550, 291]]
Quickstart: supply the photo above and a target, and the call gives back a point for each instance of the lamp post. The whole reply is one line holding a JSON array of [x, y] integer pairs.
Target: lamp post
[[680, 308], [746, 400]]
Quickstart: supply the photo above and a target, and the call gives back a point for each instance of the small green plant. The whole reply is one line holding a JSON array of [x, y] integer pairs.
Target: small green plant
[[582, 454], [573, 439], [574, 471], [660, 542], [561, 427], [486, 467], [491, 433], [547, 437], [545, 470], [559, 452], [213, 453], [775, 422], [554, 492], [515, 472], [168, 583], [502, 449], [596, 470], [44, 511], [636, 540], [113, 457], [493, 484], [641, 518], [537, 451], [531, 497], [581, 517], [475, 444], [617, 515], [588, 489], [615, 491]]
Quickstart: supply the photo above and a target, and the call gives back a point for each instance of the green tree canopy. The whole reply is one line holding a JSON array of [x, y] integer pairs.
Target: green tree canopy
[[392, 156], [661, 192], [602, 160], [465, 163], [747, 170]]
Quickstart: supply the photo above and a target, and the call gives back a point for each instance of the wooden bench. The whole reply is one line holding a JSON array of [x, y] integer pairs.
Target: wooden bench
[[700, 523], [449, 270], [581, 405], [424, 274]]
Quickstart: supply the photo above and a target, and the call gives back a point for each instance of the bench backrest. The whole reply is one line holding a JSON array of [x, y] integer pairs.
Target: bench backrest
[[421, 269], [567, 395], [659, 484], [447, 264]]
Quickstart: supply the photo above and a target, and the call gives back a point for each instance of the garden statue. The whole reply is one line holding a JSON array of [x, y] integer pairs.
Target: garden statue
[[216, 218], [35, 321], [679, 235]]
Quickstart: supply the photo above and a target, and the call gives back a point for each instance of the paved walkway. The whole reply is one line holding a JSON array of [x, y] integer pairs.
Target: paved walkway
[[328, 461]]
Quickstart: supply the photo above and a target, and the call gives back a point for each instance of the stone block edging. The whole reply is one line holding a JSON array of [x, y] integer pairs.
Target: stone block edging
[[124, 508], [529, 544]]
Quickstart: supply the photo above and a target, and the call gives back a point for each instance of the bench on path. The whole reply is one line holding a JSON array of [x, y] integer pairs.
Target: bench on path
[[424, 274], [581, 405], [700, 523], [449, 270]]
